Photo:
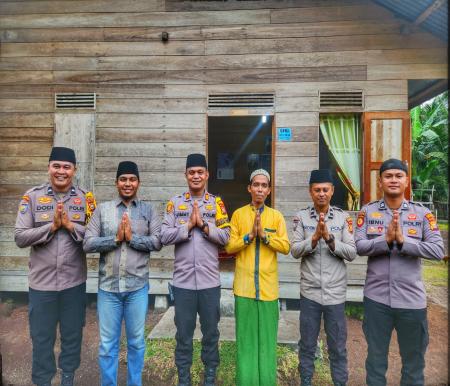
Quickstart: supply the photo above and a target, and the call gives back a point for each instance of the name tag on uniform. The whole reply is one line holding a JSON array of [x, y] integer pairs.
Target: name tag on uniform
[[375, 230]]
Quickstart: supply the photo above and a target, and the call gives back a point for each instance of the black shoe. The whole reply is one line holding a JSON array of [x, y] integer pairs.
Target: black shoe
[[306, 381], [210, 376], [67, 379], [184, 377]]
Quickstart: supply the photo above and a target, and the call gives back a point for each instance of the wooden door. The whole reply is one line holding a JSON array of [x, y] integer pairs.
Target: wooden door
[[386, 135]]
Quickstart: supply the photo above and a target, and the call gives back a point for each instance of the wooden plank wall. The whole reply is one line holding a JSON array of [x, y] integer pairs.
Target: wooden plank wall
[[152, 96]]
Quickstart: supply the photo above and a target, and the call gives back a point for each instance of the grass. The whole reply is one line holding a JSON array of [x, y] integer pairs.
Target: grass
[[443, 226], [435, 273], [354, 310], [160, 368]]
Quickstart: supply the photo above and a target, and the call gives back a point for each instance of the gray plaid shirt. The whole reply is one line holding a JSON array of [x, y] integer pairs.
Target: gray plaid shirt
[[123, 267]]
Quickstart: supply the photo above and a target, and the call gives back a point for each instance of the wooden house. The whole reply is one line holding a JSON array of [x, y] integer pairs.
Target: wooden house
[[246, 82]]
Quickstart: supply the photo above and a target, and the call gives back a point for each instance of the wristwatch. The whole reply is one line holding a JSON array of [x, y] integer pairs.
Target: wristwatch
[[204, 225], [330, 240]]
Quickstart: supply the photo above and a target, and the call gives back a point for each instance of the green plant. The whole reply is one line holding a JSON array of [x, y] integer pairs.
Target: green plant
[[354, 310], [429, 123]]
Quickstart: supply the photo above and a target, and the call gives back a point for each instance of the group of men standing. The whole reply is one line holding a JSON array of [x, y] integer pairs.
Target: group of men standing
[[61, 223]]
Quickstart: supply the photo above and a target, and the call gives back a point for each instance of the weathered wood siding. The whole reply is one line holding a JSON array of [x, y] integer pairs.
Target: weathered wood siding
[[152, 96]]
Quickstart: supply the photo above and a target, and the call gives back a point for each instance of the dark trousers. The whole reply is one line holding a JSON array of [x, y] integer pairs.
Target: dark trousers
[[412, 333], [188, 303], [46, 309], [336, 330]]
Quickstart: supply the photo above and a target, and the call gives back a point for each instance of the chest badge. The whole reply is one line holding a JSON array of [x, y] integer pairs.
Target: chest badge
[[182, 207], [76, 216], [45, 200], [45, 216], [376, 215], [77, 201], [209, 207], [412, 231], [412, 216]]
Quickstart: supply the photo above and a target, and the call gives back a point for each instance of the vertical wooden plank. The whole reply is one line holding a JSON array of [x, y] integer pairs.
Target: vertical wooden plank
[[372, 161], [77, 131]]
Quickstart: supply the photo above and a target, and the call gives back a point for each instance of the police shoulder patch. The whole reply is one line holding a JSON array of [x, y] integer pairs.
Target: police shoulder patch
[[221, 205], [349, 222], [361, 218], [169, 207], [432, 221], [91, 204]]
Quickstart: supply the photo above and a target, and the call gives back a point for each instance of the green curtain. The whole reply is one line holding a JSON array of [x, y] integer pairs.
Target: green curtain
[[342, 135]]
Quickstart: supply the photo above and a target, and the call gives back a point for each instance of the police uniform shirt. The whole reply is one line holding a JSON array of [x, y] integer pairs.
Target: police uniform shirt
[[196, 253], [394, 276], [323, 272], [57, 260]]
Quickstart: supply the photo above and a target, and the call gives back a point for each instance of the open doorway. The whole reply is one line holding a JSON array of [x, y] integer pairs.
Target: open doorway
[[237, 145]]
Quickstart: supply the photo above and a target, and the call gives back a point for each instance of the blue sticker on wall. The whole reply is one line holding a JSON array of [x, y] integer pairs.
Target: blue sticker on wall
[[284, 134]]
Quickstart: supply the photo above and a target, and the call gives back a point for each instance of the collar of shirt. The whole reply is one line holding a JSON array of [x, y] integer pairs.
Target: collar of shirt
[[328, 215], [188, 196], [50, 192], [119, 201], [261, 208], [382, 205]]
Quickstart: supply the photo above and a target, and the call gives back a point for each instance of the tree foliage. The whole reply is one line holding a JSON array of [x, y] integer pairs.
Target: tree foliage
[[429, 124]]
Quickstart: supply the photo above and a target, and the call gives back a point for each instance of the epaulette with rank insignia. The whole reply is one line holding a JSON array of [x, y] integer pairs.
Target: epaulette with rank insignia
[[417, 203]]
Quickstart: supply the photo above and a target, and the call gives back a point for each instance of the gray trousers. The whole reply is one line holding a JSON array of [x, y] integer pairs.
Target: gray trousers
[[189, 303], [412, 335], [336, 330]]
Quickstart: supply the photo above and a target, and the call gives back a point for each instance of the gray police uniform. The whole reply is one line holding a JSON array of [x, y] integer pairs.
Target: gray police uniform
[[196, 274], [323, 287], [394, 294], [57, 275]]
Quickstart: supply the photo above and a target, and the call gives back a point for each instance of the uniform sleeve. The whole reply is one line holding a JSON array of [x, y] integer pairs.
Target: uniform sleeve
[[279, 242], [219, 231], [236, 241], [345, 248], [170, 233], [93, 240], [151, 242], [431, 246], [365, 247], [25, 232], [301, 246]]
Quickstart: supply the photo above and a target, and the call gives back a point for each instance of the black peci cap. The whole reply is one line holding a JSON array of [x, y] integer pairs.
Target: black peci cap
[[62, 154], [127, 167], [196, 159], [393, 163], [319, 176]]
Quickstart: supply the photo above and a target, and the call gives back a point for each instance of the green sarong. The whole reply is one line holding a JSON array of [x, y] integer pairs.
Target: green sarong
[[256, 341]]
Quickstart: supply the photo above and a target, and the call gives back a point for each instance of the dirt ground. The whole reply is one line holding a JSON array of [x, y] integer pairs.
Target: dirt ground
[[16, 349]]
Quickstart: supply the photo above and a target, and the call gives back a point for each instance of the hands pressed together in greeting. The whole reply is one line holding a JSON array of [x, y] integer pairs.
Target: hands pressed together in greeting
[[61, 220], [257, 229], [196, 220], [124, 231], [394, 230], [321, 232]]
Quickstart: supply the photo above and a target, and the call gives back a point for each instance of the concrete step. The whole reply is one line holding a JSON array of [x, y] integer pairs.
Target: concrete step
[[288, 327]]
